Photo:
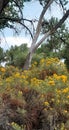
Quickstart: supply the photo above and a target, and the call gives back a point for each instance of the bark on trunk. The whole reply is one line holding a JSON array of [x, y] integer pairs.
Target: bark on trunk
[[27, 64], [3, 4]]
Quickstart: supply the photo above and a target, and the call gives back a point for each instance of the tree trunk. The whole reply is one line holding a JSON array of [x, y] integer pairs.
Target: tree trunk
[[3, 4], [36, 35], [36, 45], [27, 64]]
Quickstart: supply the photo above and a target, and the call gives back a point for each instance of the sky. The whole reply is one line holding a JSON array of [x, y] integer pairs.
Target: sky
[[31, 10]]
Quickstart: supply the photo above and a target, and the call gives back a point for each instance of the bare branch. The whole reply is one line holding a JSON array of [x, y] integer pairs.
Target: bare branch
[[58, 25], [40, 21], [20, 21], [60, 3], [27, 29], [15, 19]]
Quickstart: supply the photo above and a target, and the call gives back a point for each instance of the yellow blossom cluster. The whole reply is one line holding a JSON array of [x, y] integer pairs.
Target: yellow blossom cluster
[[35, 82], [16, 126], [46, 103], [2, 69], [51, 82], [65, 90], [60, 77]]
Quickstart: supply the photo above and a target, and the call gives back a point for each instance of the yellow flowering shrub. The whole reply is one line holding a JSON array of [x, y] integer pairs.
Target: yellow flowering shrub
[[44, 88], [53, 65]]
